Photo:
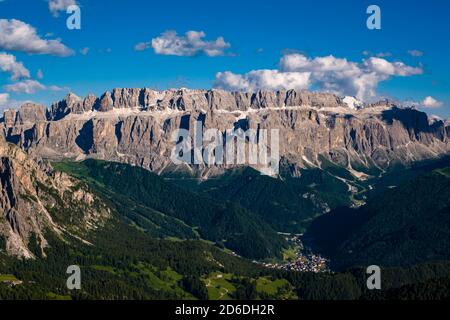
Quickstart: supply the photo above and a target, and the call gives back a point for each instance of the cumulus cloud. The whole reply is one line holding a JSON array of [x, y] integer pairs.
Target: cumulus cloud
[[191, 44], [258, 79], [8, 63], [55, 6], [430, 102], [29, 87], [415, 53], [4, 98], [384, 67], [16, 35], [328, 73]]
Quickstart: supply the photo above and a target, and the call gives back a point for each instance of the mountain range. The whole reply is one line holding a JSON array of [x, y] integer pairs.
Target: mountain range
[[135, 126], [91, 181]]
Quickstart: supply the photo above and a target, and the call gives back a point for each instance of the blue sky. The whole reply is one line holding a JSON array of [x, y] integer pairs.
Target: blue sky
[[259, 34]]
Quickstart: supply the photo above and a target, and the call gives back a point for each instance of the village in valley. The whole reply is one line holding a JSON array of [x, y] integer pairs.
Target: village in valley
[[298, 258]]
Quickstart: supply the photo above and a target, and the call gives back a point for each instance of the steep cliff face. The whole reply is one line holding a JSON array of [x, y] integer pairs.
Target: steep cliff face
[[136, 126], [34, 203]]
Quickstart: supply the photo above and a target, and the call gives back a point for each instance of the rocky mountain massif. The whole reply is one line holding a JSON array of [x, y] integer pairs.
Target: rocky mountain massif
[[34, 202], [135, 126]]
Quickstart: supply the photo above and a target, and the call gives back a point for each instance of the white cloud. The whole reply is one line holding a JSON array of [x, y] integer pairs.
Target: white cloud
[[384, 54], [55, 6], [258, 79], [56, 88], [141, 46], [16, 35], [415, 53], [191, 44], [379, 55], [384, 67], [5, 103], [328, 73], [84, 51], [4, 98], [30, 87], [8, 63], [27, 86], [430, 102]]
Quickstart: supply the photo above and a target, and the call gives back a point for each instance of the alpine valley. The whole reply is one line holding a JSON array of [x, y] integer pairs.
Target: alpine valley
[[90, 182]]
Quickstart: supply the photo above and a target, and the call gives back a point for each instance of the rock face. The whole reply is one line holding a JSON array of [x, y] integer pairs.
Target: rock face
[[9, 118], [30, 113], [34, 202], [72, 104], [136, 126], [190, 100]]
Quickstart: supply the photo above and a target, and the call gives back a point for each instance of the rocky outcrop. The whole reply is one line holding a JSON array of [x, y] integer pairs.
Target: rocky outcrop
[[105, 103], [127, 98], [30, 113], [34, 202], [9, 118], [72, 104], [136, 126]]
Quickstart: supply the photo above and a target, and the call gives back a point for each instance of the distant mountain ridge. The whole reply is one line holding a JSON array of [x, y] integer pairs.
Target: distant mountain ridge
[[135, 126]]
